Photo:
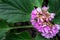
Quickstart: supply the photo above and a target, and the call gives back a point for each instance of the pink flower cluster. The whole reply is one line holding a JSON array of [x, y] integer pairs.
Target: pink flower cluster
[[41, 20]]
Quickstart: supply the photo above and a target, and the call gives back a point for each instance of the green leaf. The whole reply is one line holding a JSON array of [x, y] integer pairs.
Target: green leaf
[[3, 33], [18, 10], [18, 36], [3, 24], [54, 6], [39, 37], [3, 29]]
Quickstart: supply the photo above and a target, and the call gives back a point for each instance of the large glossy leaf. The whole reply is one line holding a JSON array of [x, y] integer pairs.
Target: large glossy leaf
[[17, 10], [54, 6], [18, 36], [39, 37]]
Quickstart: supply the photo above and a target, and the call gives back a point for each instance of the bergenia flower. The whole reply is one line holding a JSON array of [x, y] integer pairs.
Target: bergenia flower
[[41, 20], [45, 8], [50, 33]]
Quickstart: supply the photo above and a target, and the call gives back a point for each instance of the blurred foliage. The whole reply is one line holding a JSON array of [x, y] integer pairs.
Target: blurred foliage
[[3, 29], [54, 6], [19, 36], [39, 37], [17, 10]]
